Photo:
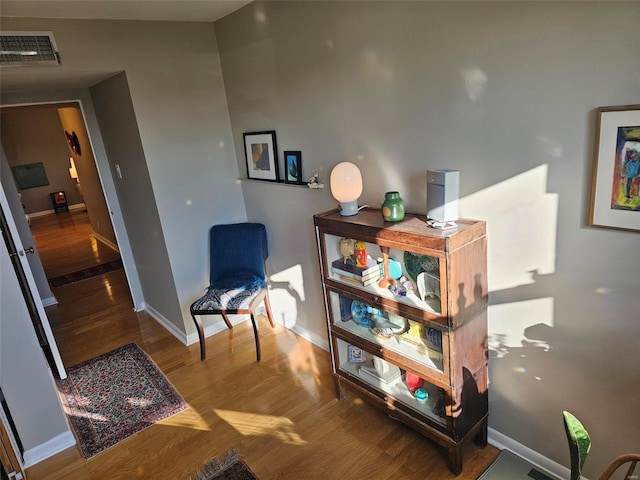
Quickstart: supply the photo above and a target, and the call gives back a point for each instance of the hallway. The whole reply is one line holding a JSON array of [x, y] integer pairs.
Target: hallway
[[89, 312]]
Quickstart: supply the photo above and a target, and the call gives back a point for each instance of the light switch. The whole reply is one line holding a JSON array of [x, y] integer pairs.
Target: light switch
[[118, 172]]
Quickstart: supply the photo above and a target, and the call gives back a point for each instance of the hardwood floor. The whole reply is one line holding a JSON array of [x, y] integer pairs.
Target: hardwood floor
[[281, 413]]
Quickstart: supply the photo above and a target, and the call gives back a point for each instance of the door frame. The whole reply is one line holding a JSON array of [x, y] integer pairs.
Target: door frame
[[109, 193]]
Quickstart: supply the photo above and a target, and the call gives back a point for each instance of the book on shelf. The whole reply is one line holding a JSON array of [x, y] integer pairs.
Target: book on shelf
[[356, 281], [350, 266]]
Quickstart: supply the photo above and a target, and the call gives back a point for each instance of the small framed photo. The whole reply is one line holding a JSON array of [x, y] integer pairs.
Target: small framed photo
[[261, 155], [615, 195], [356, 355], [293, 167]]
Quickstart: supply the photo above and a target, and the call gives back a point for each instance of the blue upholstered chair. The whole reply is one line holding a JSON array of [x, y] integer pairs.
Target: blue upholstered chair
[[237, 280]]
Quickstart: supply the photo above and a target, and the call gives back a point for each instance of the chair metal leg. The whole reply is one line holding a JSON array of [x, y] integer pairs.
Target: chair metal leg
[[255, 334], [199, 327]]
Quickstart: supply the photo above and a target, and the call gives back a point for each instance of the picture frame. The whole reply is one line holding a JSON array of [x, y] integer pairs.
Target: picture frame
[[615, 193], [356, 355], [293, 167], [31, 175], [261, 155]]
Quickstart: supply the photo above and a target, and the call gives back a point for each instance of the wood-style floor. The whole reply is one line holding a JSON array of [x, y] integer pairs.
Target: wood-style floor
[[281, 414]]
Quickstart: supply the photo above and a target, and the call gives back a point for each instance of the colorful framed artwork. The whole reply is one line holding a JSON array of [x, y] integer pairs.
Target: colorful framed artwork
[[615, 195], [261, 155], [293, 167]]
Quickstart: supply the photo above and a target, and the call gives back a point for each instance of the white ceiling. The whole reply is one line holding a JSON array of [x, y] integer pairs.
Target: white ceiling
[[170, 10]]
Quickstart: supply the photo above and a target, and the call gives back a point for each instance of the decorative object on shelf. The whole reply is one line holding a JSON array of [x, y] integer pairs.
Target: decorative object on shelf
[[293, 167], [615, 195], [386, 280], [428, 286], [381, 366], [435, 337], [442, 198], [261, 155], [373, 372], [313, 180], [392, 207], [346, 247], [421, 395], [414, 264], [395, 269], [346, 187], [360, 314], [360, 252], [402, 288], [413, 381], [356, 355], [386, 328]]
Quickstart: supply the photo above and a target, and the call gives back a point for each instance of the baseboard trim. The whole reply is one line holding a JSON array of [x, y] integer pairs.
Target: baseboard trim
[[47, 302], [162, 320], [107, 242], [318, 340], [48, 449], [75, 206], [503, 442]]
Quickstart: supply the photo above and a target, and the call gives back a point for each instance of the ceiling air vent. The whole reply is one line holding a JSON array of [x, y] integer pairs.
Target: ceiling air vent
[[28, 48]]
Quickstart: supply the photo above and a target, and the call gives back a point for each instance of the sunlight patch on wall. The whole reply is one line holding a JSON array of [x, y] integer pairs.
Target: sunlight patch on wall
[[508, 324], [521, 226], [253, 424], [286, 292]]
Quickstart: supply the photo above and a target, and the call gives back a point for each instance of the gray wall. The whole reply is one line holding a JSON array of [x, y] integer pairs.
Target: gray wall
[[505, 92], [34, 134], [119, 131], [176, 88]]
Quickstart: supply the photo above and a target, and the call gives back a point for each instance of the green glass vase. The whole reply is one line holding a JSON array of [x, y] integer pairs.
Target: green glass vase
[[392, 207]]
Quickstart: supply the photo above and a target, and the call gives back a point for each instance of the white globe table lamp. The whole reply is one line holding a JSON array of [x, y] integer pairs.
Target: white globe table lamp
[[346, 187]]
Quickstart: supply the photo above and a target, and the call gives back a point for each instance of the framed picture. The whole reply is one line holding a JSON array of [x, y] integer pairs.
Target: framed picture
[[261, 154], [615, 195], [293, 167], [30, 176], [356, 355]]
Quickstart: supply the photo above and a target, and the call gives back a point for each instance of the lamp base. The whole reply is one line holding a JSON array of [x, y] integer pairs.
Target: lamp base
[[348, 209]]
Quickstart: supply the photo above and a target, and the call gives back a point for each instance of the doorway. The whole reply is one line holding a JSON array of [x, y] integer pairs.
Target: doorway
[[71, 241]]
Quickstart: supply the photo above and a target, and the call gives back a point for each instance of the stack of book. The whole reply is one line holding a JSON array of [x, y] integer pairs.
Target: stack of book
[[349, 272]]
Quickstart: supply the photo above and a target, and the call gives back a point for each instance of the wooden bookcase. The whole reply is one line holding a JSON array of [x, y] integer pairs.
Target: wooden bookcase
[[443, 352]]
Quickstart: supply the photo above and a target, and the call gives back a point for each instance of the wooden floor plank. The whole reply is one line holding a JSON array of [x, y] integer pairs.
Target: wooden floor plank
[[281, 413]]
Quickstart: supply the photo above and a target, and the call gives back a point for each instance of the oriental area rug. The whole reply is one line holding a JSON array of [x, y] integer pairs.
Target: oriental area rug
[[83, 274], [115, 395], [225, 467]]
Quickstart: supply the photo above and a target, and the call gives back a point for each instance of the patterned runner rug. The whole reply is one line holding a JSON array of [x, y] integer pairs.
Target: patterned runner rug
[[115, 395], [74, 277]]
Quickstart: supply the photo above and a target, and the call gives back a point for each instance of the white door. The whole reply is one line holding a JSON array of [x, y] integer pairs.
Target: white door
[[18, 255]]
